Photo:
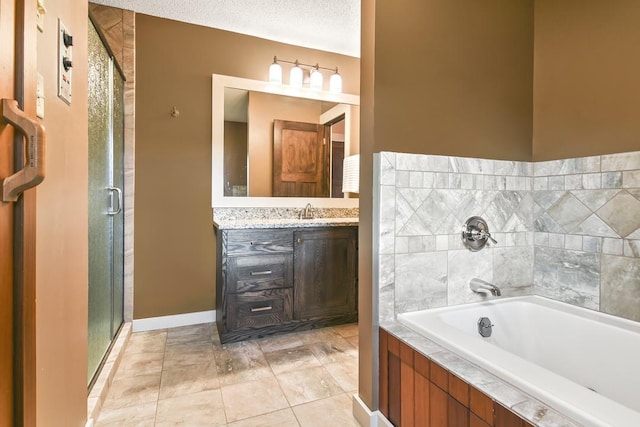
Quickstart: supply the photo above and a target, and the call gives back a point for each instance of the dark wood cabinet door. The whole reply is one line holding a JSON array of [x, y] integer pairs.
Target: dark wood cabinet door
[[325, 272]]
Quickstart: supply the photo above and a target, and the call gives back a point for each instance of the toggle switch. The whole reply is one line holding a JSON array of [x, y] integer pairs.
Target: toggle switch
[[67, 39]]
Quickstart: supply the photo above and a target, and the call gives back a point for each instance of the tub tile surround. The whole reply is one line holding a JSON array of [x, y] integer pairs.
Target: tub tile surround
[[566, 229]]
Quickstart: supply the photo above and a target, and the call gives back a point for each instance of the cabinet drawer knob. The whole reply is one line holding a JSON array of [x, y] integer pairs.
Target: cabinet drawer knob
[[261, 273], [261, 243], [299, 240], [255, 309]]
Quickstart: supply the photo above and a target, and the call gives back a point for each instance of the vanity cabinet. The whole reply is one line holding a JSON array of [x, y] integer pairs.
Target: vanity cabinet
[[325, 272], [272, 281]]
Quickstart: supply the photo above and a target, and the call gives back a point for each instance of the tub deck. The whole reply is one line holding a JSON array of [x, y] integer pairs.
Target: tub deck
[[577, 361]]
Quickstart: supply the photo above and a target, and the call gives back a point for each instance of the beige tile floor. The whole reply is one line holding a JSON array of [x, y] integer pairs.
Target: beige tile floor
[[184, 376]]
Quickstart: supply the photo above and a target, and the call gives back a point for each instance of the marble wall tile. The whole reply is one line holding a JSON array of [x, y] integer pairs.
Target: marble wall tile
[[513, 267], [631, 179], [463, 266], [594, 199], [572, 182], [621, 213], [402, 244], [495, 182], [387, 212], [420, 281], [591, 164], [596, 227], [592, 181], [569, 276], [541, 183], [386, 270], [556, 183], [612, 180], [411, 162], [402, 178], [631, 248], [387, 169], [611, 246], [428, 179], [573, 242], [568, 212], [386, 304], [621, 161], [415, 179], [592, 244], [620, 289]]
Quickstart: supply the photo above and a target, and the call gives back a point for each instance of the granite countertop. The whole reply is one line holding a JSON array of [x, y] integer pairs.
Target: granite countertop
[[242, 218], [231, 224], [529, 408]]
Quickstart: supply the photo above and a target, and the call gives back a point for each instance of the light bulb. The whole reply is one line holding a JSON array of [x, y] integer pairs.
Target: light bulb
[[315, 81], [335, 82], [295, 76], [275, 72]]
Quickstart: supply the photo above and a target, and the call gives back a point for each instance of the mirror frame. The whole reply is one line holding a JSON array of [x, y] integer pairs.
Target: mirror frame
[[218, 199]]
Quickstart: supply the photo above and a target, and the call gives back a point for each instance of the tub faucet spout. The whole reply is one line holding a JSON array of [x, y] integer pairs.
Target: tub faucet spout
[[482, 287]]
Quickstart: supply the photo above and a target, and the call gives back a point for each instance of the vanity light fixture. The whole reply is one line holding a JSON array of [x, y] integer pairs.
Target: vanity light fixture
[[315, 80], [275, 72], [335, 82], [296, 75]]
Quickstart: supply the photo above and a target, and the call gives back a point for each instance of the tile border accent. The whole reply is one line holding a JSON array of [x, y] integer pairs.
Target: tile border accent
[[173, 321]]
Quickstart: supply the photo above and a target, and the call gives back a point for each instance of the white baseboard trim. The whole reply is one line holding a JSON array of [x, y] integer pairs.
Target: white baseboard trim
[[164, 322], [365, 417]]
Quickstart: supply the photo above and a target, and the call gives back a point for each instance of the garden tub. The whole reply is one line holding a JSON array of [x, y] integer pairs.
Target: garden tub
[[583, 363]]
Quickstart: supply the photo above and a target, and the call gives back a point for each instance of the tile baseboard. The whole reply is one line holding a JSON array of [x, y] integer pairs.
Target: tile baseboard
[[173, 321]]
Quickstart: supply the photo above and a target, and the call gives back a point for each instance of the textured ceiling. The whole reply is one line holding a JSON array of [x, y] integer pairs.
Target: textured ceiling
[[330, 25]]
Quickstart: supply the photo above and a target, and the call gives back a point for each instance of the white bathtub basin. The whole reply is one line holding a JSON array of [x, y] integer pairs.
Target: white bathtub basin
[[583, 363]]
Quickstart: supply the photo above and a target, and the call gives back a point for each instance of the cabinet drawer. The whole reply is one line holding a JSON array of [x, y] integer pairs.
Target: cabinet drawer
[[245, 242], [258, 309], [259, 272]]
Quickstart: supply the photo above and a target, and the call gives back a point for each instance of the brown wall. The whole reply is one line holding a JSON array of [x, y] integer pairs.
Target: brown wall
[[174, 242], [62, 229], [454, 77], [587, 78], [439, 77]]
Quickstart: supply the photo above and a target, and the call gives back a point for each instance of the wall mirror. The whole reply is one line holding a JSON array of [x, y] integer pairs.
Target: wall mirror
[[273, 145]]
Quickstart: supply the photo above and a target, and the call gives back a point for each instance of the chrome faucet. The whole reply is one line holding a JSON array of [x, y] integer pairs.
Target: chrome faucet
[[307, 213], [482, 287]]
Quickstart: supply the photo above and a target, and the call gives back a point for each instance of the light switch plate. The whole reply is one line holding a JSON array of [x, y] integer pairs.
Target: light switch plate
[[65, 58]]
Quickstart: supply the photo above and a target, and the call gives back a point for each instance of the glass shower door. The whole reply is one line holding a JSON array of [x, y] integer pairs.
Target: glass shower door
[[106, 136]]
